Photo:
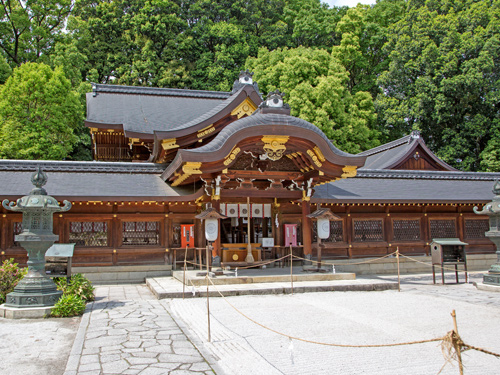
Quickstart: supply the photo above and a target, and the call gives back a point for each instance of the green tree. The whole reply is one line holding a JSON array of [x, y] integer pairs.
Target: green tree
[[443, 78], [364, 33], [38, 114], [316, 88], [29, 29]]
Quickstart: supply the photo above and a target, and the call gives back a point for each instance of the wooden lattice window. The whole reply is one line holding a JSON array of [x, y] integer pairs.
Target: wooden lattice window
[[141, 233], [18, 228], [368, 230], [476, 228], [336, 231], [443, 228], [176, 235], [406, 230], [88, 233]]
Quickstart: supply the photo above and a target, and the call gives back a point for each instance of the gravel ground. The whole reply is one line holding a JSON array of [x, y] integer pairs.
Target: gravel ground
[[421, 311]]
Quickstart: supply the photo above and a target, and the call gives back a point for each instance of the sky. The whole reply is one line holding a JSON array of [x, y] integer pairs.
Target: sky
[[350, 3]]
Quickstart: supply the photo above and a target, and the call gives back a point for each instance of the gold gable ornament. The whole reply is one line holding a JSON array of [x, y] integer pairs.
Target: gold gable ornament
[[247, 107], [168, 144], [274, 146]]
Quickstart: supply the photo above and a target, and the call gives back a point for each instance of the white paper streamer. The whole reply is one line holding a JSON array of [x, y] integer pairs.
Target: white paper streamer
[[290, 349]]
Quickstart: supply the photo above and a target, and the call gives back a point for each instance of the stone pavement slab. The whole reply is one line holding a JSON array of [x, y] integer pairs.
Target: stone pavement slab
[[128, 331]]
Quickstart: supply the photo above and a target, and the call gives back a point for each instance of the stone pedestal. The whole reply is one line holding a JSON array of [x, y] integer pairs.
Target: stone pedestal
[[35, 289]]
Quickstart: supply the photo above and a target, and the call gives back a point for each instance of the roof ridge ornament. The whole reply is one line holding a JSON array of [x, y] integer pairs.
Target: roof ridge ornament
[[415, 134], [274, 103], [245, 78]]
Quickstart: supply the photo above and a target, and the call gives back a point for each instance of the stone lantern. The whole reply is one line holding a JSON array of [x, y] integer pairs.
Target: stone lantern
[[35, 290], [492, 209]]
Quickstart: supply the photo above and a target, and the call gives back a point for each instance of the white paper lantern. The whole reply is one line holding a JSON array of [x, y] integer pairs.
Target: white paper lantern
[[211, 229], [323, 228]]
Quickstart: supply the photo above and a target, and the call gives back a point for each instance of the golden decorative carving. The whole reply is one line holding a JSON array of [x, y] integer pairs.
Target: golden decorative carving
[[305, 198], [314, 158], [235, 257], [247, 107], [349, 171], [274, 146], [318, 152], [205, 131], [192, 167], [232, 155], [188, 169], [168, 144]]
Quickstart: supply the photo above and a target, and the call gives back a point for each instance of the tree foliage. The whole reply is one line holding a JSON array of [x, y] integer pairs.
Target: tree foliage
[[29, 29], [443, 79], [430, 65], [38, 114], [316, 87]]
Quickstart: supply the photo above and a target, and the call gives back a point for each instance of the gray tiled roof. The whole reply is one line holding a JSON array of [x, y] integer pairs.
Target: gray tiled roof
[[409, 187], [390, 154], [80, 166], [258, 119], [92, 185], [145, 109]]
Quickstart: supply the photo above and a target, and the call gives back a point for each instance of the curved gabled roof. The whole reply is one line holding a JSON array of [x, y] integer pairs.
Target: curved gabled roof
[[263, 124], [393, 154], [275, 124]]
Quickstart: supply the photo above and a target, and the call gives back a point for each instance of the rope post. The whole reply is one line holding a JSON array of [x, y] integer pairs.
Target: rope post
[[184, 273], [399, 276], [291, 266], [456, 345], [208, 309]]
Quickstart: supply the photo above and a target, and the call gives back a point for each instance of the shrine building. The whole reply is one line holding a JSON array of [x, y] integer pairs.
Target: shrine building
[[162, 156]]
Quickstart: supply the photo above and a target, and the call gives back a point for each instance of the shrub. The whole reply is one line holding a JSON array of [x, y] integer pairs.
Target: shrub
[[68, 305], [78, 285], [10, 275]]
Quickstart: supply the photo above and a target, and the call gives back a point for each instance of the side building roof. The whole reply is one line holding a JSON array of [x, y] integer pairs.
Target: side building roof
[[92, 181], [399, 186], [393, 155]]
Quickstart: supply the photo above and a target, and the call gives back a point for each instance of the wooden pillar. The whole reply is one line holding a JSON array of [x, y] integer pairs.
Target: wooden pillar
[[388, 233], [426, 230], [116, 237], [3, 232], [306, 228], [460, 223], [348, 229], [3, 236]]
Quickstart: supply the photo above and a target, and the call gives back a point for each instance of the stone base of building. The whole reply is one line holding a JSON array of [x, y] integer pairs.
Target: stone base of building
[[123, 274], [24, 313]]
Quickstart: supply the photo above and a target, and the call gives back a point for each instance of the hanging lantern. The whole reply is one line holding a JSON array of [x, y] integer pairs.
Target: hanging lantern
[[211, 217]]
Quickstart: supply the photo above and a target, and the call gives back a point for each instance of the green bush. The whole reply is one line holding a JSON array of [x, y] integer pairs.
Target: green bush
[[10, 275], [68, 305], [78, 285]]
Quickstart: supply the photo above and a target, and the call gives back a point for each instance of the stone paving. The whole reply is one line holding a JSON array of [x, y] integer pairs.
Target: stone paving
[[127, 331]]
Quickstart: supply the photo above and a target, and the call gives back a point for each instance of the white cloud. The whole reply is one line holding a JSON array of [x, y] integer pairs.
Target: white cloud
[[349, 3]]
